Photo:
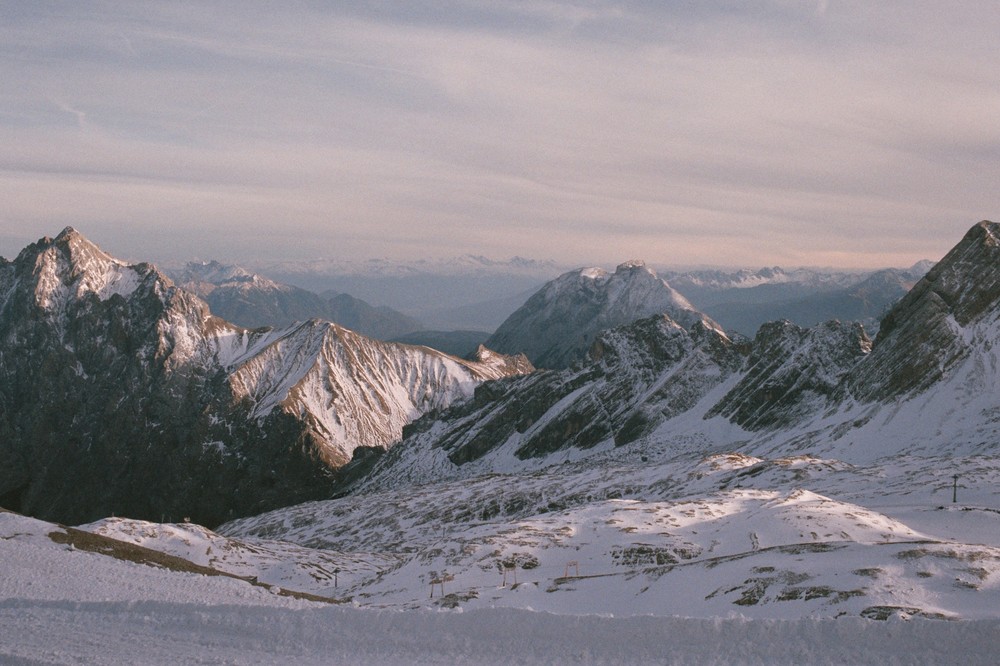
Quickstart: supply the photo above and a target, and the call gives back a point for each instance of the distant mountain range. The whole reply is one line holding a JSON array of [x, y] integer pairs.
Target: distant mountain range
[[476, 293], [461, 293], [464, 265], [742, 301], [253, 301]]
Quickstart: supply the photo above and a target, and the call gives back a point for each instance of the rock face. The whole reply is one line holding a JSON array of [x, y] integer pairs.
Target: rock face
[[122, 394], [637, 376], [557, 325], [253, 301], [792, 372], [930, 330]]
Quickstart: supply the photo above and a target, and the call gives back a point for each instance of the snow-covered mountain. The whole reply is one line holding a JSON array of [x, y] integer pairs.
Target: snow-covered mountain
[[468, 292], [557, 325], [638, 376], [829, 389], [351, 391], [253, 301], [122, 393]]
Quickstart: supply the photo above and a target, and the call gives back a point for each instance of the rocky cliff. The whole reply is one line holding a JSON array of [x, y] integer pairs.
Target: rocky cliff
[[930, 330]]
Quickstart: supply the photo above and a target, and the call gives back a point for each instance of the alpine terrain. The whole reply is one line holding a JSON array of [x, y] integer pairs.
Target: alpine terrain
[[664, 492], [809, 472], [121, 393]]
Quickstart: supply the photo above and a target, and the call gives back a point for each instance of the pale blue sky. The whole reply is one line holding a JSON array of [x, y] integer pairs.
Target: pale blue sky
[[824, 133]]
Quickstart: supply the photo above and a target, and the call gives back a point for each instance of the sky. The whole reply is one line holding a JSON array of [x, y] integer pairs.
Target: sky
[[716, 132]]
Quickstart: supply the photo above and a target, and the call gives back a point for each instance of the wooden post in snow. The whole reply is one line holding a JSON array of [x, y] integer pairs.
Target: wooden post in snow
[[512, 567], [441, 580]]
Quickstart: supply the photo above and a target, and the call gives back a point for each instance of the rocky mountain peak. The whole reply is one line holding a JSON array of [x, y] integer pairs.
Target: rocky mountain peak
[[557, 325], [966, 280], [67, 233], [631, 264], [68, 268], [927, 331]]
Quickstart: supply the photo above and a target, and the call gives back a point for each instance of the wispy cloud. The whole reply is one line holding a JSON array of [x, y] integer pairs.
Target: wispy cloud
[[743, 133]]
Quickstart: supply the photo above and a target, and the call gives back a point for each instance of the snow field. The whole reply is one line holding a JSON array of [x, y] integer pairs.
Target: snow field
[[159, 632]]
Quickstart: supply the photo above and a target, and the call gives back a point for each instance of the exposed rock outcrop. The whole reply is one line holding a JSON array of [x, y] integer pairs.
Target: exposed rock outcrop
[[636, 377], [925, 334], [792, 373]]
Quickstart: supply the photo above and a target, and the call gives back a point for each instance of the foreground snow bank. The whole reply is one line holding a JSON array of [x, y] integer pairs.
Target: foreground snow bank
[[161, 632]]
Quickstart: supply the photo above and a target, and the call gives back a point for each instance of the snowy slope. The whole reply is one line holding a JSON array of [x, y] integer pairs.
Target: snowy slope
[[726, 559], [351, 390], [781, 538], [61, 605]]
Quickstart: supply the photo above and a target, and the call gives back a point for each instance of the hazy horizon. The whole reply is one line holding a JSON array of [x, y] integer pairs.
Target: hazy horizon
[[431, 263], [844, 135]]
